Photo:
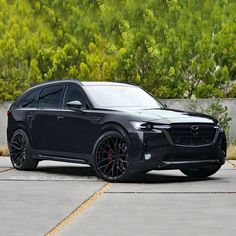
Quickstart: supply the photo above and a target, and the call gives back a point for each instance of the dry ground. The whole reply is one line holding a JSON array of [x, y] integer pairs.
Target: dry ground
[[4, 150]]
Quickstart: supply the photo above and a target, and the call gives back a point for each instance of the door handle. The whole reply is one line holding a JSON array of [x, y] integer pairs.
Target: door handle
[[29, 116], [60, 118]]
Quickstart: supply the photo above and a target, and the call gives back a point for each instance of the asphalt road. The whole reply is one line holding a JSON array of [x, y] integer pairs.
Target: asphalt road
[[67, 199]]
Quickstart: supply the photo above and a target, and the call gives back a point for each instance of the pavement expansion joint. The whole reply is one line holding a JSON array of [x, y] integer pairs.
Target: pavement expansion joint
[[79, 210], [171, 192], [6, 170], [232, 164], [47, 180]]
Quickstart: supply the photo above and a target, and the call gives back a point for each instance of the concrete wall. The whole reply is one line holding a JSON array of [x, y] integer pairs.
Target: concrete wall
[[181, 104], [3, 121], [184, 104]]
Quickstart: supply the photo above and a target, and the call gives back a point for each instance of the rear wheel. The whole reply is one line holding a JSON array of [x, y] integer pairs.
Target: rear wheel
[[20, 151], [201, 172], [111, 159]]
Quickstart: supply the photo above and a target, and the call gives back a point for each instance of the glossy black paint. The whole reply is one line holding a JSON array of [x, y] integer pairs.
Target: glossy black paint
[[64, 134]]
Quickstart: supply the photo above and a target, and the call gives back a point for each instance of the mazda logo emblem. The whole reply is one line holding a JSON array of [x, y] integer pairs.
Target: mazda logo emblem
[[194, 129]]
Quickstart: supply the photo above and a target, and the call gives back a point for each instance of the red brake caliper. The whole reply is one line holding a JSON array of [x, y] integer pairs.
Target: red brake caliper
[[109, 156]]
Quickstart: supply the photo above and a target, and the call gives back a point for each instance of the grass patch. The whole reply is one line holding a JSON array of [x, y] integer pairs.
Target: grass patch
[[4, 150], [231, 152]]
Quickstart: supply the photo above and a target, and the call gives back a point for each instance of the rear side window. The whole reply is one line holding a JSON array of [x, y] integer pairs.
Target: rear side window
[[50, 97], [73, 93], [30, 100]]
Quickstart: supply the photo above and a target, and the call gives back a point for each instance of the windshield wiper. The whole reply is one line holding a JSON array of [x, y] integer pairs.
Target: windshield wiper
[[152, 108]]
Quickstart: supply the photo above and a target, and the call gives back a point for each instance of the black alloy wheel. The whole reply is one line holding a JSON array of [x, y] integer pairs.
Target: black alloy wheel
[[111, 160], [20, 151]]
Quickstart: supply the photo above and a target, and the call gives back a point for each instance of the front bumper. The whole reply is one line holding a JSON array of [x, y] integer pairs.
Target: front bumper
[[154, 150]]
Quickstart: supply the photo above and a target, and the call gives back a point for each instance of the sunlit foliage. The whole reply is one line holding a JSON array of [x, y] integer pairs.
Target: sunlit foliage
[[173, 48]]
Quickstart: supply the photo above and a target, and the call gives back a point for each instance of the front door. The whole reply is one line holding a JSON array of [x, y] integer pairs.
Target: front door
[[78, 129]]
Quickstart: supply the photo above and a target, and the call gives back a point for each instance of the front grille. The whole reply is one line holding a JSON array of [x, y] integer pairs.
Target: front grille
[[192, 134]]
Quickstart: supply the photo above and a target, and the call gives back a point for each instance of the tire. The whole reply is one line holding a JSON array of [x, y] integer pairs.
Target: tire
[[20, 151], [201, 172], [111, 161]]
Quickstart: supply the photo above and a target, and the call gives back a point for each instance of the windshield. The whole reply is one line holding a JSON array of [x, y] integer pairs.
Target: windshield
[[106, 96]]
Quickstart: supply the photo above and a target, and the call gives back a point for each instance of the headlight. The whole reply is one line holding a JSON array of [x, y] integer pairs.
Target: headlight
[[218, 126], [141, 125]]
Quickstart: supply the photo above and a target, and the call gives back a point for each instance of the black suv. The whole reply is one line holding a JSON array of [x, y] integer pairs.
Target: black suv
[[117, 128]]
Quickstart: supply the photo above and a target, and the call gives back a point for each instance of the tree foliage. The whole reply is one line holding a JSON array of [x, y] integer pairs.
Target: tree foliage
[[173, 48]]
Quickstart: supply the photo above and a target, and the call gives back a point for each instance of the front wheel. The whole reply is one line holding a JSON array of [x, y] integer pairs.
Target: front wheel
[[111, 159], [201, 172], [20, 151]]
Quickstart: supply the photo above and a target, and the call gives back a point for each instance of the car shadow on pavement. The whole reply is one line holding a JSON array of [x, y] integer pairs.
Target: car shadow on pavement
[[151, 177], [73, 171], [165, 178]]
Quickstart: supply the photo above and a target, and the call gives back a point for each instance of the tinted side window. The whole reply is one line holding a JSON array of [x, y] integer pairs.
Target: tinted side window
[[73, 93], [30, 100], [50, 97]]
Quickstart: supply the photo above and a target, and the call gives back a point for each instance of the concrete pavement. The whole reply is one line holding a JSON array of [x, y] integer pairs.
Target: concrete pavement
[[158, 203], [31, 203]]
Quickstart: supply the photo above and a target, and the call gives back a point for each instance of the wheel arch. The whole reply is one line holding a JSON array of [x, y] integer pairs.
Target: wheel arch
[[114, 126], [108, 127], [21, 125]]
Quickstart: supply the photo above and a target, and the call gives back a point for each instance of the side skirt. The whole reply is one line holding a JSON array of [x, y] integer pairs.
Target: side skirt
[[61, 156], [62, 159]]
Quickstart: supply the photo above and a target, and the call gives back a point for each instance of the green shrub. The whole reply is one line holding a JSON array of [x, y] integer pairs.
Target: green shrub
[[215, 109]]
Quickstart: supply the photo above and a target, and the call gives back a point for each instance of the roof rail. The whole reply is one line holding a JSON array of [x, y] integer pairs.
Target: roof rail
[[127, 82], [52, 81]]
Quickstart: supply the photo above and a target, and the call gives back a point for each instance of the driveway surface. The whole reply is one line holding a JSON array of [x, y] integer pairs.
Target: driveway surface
[[67, 199]]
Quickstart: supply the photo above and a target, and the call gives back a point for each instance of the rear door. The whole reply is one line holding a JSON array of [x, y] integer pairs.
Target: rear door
[[45, 126]]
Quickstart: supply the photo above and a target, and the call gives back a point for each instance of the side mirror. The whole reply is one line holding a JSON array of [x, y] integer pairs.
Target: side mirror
[[74, 105], [163, 104]]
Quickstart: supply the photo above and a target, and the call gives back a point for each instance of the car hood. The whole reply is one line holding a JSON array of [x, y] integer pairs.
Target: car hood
[[168, 116]]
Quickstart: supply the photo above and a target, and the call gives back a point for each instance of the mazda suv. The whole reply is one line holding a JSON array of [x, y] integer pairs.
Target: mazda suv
[[117, 128]]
